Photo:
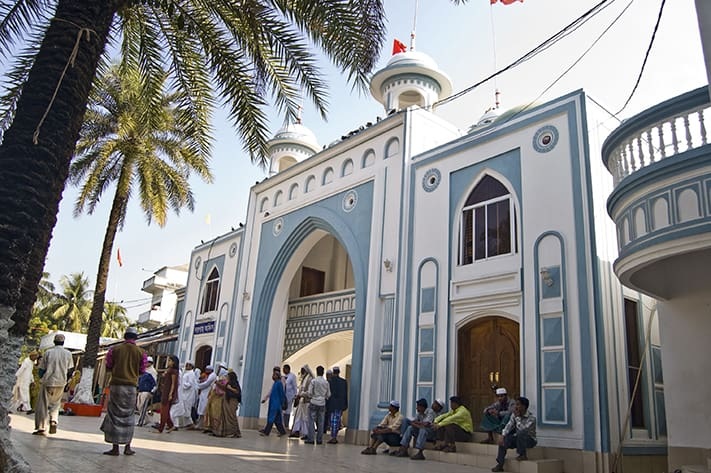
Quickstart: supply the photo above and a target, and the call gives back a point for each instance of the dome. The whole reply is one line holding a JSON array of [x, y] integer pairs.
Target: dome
[[298, 134], [411, 64], [487, 119]]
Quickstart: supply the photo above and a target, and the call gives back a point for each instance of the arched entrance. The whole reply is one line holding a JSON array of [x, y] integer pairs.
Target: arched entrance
[[489, 356], [203, 356]]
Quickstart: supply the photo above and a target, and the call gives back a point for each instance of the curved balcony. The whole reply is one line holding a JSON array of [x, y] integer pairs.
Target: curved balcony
[[660, 161]]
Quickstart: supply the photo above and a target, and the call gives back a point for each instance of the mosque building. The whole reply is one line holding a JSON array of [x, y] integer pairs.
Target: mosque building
[[429, 262]]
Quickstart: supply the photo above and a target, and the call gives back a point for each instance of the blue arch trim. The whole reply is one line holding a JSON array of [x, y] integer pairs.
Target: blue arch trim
[[353, 231]]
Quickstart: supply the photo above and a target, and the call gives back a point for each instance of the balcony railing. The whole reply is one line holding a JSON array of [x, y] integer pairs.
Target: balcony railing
[[661, 132], [326, 303]]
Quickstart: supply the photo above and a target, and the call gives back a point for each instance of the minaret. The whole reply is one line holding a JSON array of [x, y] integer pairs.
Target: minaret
[[410, 78], [290, 145]]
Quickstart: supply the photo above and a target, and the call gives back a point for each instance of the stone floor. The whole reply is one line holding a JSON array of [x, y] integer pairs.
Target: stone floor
[[77, 447]]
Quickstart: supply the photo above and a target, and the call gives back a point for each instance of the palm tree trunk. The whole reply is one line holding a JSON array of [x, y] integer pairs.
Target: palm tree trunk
[[84, 391], [32, 175]]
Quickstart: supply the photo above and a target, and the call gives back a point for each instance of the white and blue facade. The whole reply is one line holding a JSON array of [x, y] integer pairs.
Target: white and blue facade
[[431, 262]]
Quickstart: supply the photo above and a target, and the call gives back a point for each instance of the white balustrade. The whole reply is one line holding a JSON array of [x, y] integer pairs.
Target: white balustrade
[[326, 303]]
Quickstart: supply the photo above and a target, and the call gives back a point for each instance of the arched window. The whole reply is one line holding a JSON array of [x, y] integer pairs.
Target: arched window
[[211, 294], [488, 224]]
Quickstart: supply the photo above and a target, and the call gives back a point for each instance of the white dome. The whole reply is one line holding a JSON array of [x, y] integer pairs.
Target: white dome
[[487, 119], [409, 63], [298, 134]]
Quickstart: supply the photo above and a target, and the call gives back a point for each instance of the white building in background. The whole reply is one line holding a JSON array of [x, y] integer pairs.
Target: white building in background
[[431, 262], [166, 287]]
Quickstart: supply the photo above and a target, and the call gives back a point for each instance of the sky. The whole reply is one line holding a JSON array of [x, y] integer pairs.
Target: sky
[[469, 42]]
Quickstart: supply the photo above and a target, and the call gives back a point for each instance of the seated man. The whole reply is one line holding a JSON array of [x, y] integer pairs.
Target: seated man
[[454, 426], [519, 433], [496, 415], [420, 428], [387, 431]]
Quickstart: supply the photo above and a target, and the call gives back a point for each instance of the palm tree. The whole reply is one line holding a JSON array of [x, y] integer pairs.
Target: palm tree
[[146, 142], [115, 320], [70, 308], [249, 51]]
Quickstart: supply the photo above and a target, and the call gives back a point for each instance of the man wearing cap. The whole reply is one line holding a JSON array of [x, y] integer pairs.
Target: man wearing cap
[[388, 430], [420, 428], [126, 362], [496, 415], [454, 426], [151, 369], [338, 402], [54, 369], [204, 388]]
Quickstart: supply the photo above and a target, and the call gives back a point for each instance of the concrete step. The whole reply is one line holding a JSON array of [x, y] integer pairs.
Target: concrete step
[[484, 456], [694, 469]]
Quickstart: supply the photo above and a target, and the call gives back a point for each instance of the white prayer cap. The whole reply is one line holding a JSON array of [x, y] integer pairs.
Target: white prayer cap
[[500, 391], [395, 403], [149, 359], [209, 368]]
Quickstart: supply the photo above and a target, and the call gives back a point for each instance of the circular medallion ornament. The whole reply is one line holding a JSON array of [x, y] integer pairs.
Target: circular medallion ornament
[[545, 139], [233, 250], [198, 262], [350, 200], [431, 180], [278, 226]]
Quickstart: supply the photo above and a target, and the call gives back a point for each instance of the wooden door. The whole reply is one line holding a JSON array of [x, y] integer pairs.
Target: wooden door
[[486, 347]]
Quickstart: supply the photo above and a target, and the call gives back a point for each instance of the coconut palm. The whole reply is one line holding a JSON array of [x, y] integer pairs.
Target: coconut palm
[[247, 53], [146, 143], [115, 320], [70, 307]]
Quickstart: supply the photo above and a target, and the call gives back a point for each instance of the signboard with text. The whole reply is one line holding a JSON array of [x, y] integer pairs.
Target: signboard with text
[[204, 327]]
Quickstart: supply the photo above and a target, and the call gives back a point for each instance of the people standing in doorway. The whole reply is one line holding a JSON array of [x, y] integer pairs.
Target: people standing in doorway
[[319, 392], [54, 369], [168, 394], [126, 362], [301, 416], [338, 402], [23, 380], [291, 388], [277, 400], [496, 415]]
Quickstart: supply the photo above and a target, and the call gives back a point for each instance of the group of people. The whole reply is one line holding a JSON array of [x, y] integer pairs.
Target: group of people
[[516, 426], [317, 403], [209, 400]]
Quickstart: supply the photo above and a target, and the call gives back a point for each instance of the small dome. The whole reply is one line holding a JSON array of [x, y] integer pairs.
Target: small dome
[[410, 63], [487, 119], [296, 133]]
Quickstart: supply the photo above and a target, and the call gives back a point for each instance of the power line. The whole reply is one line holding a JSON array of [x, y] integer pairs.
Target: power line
[[646, 56], [571, 27]]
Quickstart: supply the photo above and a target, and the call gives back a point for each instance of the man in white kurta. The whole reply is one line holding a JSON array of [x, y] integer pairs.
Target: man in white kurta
[[204, 389], [21, 390], [187, 395]]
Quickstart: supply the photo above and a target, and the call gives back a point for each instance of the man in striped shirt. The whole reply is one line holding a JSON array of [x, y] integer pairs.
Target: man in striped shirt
[[519, 433]]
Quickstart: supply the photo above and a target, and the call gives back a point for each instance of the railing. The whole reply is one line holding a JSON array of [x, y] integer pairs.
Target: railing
[[326, 303], [661, 132]]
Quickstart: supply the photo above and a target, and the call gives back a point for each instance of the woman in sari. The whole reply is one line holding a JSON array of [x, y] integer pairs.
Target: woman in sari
[[213, 410], [301, 401], [226, 424], [168, 394]]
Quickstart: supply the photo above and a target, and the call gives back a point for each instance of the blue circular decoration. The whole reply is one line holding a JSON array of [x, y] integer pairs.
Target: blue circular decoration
[[233, 250], [431, 180], [350, 200], [278, 226], [545, 139]]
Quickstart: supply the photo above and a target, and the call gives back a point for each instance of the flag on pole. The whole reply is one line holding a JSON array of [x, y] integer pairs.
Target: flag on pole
[[398, 47], [208, 219], [506, 2], [118, 257]]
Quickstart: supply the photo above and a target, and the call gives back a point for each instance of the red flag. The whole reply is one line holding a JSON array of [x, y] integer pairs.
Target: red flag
[[118, 257], [506, 2], [398, 47]]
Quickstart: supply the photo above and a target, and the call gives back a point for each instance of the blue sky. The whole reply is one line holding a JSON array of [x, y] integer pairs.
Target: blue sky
[[461, 41]]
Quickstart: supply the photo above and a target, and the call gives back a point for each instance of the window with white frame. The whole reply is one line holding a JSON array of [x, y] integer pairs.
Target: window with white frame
[[211, 294], [488, 223], [425, 363]]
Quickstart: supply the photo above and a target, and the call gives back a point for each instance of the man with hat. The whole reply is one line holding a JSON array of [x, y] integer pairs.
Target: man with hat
[[496, 415], [420, 428], [454, 426], [126, 362], [338, 402], [387, 431], [54, 370]]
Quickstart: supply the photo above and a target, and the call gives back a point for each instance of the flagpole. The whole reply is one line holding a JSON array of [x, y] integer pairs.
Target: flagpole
[[493, 41], [414, 27]]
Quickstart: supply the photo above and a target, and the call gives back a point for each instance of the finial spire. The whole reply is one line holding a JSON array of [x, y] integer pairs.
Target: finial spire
[[414, 27]]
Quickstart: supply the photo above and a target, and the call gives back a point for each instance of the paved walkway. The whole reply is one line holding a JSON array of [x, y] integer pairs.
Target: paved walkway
[[77, 447]]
